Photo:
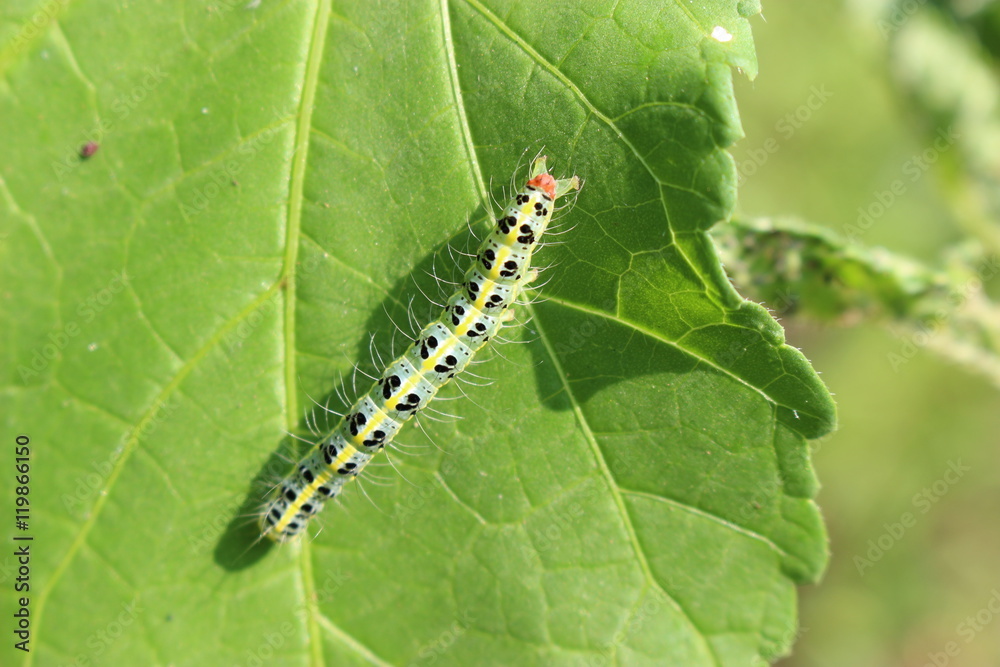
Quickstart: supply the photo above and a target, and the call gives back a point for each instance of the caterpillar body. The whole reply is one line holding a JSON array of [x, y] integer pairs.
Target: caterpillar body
[[472, 316]]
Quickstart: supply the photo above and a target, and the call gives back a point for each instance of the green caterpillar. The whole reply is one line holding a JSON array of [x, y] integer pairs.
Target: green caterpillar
[[472, 316]]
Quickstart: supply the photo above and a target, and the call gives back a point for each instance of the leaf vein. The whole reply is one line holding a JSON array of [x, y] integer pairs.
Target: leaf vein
[[616, 494]]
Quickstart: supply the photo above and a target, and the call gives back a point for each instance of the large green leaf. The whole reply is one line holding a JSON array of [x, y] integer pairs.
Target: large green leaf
[[272, 186]]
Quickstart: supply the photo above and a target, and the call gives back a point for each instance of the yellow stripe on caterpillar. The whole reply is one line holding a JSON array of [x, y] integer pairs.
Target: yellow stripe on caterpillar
[[472, 316]]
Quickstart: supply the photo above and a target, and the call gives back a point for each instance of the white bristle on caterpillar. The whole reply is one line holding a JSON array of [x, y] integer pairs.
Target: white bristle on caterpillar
[[473, 315]]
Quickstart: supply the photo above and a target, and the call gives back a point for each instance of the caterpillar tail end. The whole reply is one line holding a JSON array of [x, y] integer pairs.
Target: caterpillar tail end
[[268, 533], [272, 528]]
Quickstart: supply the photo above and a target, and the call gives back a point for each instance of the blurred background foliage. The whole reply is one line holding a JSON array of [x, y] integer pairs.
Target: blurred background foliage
[[879, 122]]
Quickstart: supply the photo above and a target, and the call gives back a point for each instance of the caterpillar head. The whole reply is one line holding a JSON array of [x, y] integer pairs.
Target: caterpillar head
[[544, 181]]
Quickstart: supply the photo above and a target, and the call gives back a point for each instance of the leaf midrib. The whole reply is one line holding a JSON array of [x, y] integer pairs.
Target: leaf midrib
[[287, 281], [300, 158], [298, 171]]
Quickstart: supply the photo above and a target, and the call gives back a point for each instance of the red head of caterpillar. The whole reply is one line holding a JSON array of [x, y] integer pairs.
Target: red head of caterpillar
[[545, 183], [443, 348]]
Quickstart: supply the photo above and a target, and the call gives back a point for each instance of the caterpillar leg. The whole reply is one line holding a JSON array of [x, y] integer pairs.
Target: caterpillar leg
[[471, 317]]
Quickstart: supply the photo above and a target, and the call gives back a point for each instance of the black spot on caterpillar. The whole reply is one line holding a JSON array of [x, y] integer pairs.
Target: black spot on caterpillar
[[442, 350]]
